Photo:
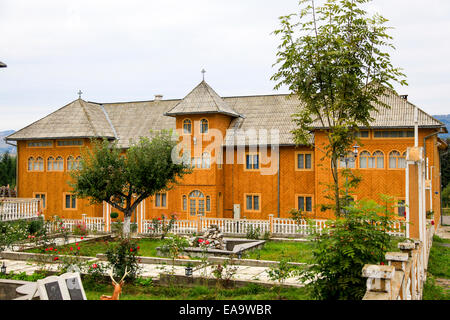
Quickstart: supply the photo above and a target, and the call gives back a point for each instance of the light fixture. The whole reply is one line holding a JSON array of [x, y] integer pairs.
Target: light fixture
[[3, 269], [355, 150]]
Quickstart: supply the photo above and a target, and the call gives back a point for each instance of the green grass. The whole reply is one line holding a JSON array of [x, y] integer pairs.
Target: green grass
[[439, 261], [293, 251], [91, 248], [149, 292], [438, 267], [446, 211]]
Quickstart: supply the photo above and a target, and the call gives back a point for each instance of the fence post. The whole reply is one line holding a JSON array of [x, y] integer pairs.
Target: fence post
[[271, 223], [379, 281], [199, 224], [398, 260]]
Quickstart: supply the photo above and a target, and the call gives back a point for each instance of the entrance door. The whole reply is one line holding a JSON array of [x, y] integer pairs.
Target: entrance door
[[196, 203]]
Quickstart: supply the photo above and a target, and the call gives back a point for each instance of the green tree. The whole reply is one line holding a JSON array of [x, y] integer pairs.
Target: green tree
[[334, 59], [445, 165], [345, 246], [124, 178], [7, 170], [446, 196]]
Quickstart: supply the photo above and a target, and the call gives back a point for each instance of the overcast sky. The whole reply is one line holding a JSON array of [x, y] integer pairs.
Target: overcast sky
[[131, 50]]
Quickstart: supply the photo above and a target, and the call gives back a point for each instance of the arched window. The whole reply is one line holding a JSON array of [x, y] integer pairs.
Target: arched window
[[396, 160], [78, 163], [203, 126], [59, 164], [184, 203], [70, 163], [50, 164], [206, 160], [196, 203], [38, 164], [402, 161], [30, 163], [187, 126], [208, 203], [379, 159], [364, 157]]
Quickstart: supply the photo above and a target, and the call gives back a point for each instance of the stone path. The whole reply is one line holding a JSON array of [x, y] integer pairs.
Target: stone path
[[246, 273], [443, 232]]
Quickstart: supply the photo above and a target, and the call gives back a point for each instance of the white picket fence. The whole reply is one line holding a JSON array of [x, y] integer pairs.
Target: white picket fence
[[286, 226], [17, 208], [179, 227]]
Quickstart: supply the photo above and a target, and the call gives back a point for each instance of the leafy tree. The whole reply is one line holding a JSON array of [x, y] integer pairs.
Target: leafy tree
[[7, 170], [334, 59], [445, 166], [345, 246], [125, 178], [446, 196]]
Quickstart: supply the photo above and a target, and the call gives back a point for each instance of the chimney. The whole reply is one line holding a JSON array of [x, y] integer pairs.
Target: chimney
[[404, 96], [158, 97]]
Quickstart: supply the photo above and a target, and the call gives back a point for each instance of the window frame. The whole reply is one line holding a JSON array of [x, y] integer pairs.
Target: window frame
[[304, 196], [253, 195], [201, 126], [397, 158], [65, 194], [69, 146], [160, 206], [39, 141], [406, 130], [45, 199], [304, 153], [252, 154], [190, 126]]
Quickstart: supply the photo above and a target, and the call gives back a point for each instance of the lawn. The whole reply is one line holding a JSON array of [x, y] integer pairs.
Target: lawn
[[150, 292], [144, 289], [293, 251], [438, 267], [91, 248]]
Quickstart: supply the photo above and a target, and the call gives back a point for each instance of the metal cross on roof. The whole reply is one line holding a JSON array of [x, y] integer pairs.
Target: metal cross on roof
[[79, 94], [203, 71]]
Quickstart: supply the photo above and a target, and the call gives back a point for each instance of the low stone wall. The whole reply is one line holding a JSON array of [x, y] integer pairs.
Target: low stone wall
[[8, 289], [166, 279]]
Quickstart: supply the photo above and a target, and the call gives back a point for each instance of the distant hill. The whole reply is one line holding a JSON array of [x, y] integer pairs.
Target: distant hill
[[445, 118], [6, 147]]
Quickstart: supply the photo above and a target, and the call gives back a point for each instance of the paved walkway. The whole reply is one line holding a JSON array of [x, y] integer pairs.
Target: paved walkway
[[443, 232], [246, 273]]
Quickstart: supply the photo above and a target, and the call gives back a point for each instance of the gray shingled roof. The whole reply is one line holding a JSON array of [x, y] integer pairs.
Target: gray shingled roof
[[130, 120], [400, 115], [202, 99], [78, 119]]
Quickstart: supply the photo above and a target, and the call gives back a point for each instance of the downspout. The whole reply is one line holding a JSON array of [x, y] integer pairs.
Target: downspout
[[278, 212], [428, 167]]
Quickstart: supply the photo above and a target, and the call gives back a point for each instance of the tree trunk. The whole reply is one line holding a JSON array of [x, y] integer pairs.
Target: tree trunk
[[126, 225], [335, 174]]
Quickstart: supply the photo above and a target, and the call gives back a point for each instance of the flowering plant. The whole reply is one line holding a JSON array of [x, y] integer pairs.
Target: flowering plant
[[163, 225]]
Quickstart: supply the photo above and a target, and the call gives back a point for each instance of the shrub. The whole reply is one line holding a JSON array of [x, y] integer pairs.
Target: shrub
[[123, 255], [253, 233], [344, 247], [80, 229], [114, 215], [163, 225]]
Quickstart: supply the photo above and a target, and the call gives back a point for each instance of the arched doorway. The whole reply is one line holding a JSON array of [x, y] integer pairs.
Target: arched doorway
[[196, 203]]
